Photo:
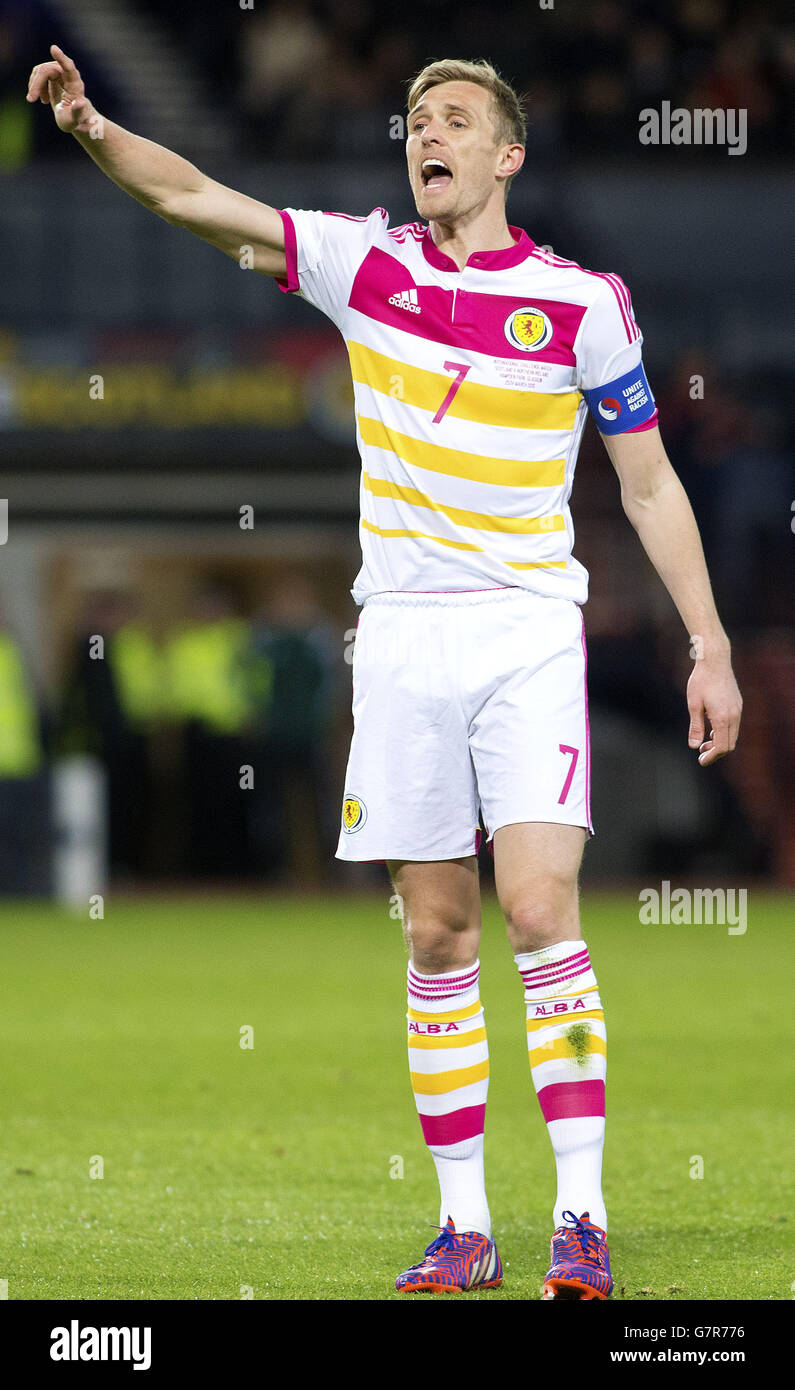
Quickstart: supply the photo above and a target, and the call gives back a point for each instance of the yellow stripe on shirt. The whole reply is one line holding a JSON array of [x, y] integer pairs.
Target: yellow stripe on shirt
[[393, 532], [456, 464], [481, 404], [480, 521], [536, 564]]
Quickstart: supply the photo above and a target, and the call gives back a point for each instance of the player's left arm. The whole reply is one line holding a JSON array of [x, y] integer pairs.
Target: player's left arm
[[657, 506]]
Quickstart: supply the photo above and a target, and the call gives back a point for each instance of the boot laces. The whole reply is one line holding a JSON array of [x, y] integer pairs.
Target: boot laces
[[590, 1244]]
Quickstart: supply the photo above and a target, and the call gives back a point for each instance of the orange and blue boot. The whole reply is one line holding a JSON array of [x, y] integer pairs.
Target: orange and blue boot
[[580, 1261], [454, 1261]]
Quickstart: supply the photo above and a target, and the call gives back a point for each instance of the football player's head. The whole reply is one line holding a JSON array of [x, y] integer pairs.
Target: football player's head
[[465, 138]]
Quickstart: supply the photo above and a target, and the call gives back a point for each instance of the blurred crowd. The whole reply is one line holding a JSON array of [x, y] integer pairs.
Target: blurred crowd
[[324, 79], [308, 79]]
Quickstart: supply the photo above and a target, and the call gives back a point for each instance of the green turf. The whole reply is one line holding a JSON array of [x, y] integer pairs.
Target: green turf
[[269, 1168]]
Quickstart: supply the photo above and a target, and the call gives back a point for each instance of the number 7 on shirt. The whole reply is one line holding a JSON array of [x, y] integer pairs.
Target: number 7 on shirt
[[460, 370]]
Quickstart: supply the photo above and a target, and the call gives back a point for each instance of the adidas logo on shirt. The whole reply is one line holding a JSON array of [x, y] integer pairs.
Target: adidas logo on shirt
[[406, 299]]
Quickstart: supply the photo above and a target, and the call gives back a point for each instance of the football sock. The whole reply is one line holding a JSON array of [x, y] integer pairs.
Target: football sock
[[449, 1064], [567, 1043]]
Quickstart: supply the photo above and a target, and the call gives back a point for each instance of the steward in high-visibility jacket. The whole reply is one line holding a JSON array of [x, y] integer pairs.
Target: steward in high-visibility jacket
[[208, 665], [21, 753], [24, 831], [140, 675], [207, 679]]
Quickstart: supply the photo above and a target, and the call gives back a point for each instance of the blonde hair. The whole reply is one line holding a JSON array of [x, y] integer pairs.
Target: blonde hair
[[507, 116]]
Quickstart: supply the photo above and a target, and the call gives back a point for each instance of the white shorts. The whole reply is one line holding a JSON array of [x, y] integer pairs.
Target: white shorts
[[464, 705]]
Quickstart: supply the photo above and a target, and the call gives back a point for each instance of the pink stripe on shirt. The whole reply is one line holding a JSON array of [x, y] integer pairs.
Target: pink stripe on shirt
[[614, 281], [467, 320], [291, 283], [351, 217], [622, 296]]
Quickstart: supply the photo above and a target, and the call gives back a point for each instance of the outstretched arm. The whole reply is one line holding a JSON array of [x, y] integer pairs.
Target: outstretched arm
[[163, 181], [657, 506]]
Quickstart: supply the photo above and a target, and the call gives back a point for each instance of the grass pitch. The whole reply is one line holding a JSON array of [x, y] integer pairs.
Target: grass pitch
[[267, 1171]]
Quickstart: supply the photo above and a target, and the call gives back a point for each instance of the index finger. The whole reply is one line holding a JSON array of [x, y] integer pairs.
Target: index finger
[[71, 77], [62, 58]]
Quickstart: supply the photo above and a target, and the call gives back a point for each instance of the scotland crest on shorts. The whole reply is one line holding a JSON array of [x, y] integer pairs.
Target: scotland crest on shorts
[[528, 329], [354, 814]]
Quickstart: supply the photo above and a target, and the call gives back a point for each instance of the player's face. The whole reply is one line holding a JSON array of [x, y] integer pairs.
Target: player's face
[[452, 127]]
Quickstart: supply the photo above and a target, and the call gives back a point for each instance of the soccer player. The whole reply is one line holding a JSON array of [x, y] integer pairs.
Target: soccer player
[[475, 356]]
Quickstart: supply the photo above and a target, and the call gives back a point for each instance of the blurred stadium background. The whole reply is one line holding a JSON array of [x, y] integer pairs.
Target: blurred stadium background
[[226, 643]]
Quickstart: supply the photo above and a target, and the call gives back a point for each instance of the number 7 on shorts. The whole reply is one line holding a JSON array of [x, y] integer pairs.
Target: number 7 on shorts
[[574, 754]]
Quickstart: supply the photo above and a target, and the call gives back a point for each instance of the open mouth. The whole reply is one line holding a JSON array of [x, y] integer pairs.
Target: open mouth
[[435, 173]]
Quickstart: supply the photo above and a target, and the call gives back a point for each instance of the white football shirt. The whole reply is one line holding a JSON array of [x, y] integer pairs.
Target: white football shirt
[[469, 390]]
